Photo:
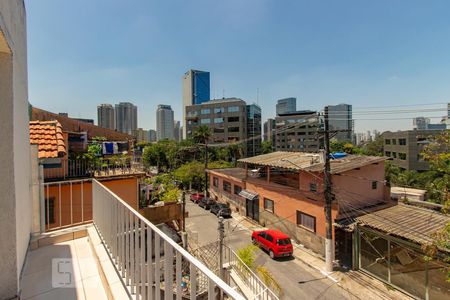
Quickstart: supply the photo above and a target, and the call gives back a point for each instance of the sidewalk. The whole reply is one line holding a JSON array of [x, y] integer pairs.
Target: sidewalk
[[358, 284]]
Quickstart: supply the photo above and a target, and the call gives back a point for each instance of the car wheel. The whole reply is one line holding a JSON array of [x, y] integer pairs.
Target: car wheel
[[271, 254]]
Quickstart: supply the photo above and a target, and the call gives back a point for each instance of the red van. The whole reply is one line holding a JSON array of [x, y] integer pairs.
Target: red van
[[275, 242]]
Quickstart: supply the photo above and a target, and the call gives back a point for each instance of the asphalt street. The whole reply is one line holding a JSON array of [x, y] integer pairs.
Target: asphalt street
[[297, 279]]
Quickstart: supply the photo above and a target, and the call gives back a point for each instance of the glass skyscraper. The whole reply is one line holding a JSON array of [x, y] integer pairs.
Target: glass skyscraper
[[196, 90]]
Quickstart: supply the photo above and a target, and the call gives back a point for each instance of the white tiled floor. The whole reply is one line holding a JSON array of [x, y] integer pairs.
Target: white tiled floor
[[37, 276]]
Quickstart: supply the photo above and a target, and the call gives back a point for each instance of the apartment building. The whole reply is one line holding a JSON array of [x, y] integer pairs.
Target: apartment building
[[405, 147], [164, 122], [298, 131], [126, 117], [285, 190], [141, 135], [254, 132], [227, 119], [106, 116]]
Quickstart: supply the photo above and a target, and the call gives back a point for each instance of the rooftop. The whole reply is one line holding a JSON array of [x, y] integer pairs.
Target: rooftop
[[49, 138], [237, 173], [413, 223], [311, 161]]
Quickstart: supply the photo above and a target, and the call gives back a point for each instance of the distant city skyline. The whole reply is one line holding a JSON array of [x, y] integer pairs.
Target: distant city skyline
[[377, 57]]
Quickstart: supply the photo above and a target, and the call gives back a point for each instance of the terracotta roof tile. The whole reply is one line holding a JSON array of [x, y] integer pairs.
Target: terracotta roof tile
[[49, 137]]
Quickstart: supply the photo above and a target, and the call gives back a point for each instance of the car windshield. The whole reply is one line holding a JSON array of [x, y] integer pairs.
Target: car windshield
[[284, 242]]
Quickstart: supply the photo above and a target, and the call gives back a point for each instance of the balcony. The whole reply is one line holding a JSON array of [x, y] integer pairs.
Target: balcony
[[124, 256]]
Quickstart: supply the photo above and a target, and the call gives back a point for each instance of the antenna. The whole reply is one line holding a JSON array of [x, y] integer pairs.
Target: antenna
[[223, 93], [257, 96]]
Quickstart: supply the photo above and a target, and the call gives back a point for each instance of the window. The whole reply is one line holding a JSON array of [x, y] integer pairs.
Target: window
[[374, 185], [233, 109], [227, 186], [402, 142], [402, 156], [268, 205], [218, 120], [192, 114], [219, 110], [387, 141], [394, 154], [219, 130], [233, 119], [269, 237], [388, 153], [237, 189], [307, 221], [205, 121], [215, 181], [394, 142], [233, 129], [205, 111], [50, 210], [313, 187]]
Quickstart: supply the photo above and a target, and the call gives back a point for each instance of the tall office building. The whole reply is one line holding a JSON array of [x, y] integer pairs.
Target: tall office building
[[126, 117], [151, 135], [269, 131], [105, 116], [286, 105], [340, 117], [298, 131], [177, 134], [253, 130], [196, 90], [164, 122]]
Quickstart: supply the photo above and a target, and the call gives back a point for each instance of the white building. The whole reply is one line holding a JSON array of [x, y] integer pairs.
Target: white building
[[126, 117], [164, 122]]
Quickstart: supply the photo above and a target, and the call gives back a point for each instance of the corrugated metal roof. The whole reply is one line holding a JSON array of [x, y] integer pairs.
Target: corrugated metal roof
[[311, 161], [413, 223], [248, 195], [49, 137]]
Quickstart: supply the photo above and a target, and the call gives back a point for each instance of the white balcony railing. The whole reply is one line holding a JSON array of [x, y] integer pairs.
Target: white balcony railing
[[151, 264]]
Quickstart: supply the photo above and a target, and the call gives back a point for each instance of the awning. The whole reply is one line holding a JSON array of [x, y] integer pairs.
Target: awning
[[248, 195]]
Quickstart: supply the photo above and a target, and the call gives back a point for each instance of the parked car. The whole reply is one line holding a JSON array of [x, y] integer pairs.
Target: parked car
[[221, 210], [206, 203], [275, 242], [197, 197]]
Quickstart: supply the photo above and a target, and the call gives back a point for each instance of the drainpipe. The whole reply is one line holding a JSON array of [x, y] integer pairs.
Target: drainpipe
[[41, 197]]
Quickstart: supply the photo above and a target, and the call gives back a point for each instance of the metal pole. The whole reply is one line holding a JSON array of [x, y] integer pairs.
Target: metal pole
[[221, 237], [328, 198], [184, 210], [206, 167]]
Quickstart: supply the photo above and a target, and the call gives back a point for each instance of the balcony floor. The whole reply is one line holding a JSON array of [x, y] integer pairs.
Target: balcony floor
[[37, 278]]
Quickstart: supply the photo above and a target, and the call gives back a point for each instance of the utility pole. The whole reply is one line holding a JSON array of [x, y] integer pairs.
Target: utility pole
[[206, 168], [221, 229], [184, 209], [328, 198]]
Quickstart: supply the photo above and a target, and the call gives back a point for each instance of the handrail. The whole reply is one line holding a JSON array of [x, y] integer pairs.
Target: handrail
[[265, 288], [212, 277]]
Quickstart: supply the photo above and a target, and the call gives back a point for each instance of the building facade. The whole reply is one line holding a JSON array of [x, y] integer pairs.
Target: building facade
[[340, 118], [286, 105], [422, 123], [298, 132], [269, 131], [196, 90], [177, 131], [164, 123], [141, 135], [151, 135], [254, 130], [126, 117], [405, 147], [106, 116]]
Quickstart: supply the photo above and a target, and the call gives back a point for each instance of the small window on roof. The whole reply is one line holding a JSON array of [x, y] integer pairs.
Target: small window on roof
[[313, 187]]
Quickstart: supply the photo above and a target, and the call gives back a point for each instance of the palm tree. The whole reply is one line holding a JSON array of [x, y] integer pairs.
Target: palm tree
[[202, 135]]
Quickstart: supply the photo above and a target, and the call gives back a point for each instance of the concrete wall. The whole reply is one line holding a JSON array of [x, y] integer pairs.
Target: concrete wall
[[15, 203], [236, 202]]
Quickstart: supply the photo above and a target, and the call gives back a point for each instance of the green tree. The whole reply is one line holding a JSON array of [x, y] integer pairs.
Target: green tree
[[266, 147], [375, 147], [201, 135]]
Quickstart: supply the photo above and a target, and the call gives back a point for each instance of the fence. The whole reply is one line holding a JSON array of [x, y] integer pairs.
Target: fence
[[149, 261], [258, 288], [84, 168], [66, 203]]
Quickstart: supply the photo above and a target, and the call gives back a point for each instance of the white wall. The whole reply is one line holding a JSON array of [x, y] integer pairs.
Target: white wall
[[15, 203]]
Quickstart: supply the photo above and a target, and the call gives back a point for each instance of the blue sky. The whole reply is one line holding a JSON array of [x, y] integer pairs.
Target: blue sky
[[366, 53]]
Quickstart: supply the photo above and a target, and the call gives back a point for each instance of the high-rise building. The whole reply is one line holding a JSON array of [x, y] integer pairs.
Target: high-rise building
[[340, 118], [105, 116], [253, 130], [269, 131], [422, 123], [177, 133], [286, 105], [141, 135], [298, 131], [126, 117], [196, 90], [164, 122], [227, 119], [151, 135]]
